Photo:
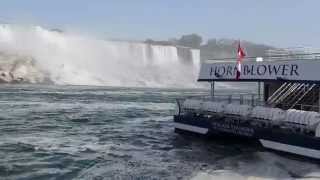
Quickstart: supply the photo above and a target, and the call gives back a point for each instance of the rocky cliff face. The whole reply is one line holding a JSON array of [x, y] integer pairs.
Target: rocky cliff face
[[20, 69]]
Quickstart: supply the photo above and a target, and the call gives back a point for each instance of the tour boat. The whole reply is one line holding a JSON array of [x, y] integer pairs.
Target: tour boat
[[283, 115]]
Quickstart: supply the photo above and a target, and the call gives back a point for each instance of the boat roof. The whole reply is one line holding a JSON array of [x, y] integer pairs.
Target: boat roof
[[303, 68]]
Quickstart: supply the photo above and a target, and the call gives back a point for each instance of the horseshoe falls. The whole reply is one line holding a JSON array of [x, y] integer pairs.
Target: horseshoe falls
[[32, 54]]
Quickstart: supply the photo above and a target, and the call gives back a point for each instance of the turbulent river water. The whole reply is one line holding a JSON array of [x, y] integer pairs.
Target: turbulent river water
[[82, 132]]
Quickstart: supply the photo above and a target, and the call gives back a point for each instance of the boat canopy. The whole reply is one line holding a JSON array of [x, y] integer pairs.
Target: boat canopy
[[304, 71]]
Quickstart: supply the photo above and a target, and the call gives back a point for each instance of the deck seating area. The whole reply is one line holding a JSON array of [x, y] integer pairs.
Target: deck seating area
[[291, 118]]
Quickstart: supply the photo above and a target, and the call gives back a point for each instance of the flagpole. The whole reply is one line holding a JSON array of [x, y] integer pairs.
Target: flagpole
[[240, 56]]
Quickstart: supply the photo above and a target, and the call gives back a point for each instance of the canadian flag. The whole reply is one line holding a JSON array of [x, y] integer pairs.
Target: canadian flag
[[241, 55]]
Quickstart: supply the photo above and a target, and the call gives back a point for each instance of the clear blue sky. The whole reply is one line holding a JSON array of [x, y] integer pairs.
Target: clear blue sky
[[283, 23]]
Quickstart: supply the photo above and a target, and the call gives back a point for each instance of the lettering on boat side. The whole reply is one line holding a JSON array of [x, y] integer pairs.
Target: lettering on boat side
[[233, 129], [296, 70], [258, 70]]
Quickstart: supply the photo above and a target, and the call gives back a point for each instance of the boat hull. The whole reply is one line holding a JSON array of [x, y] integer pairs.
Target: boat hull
[[228, 126]]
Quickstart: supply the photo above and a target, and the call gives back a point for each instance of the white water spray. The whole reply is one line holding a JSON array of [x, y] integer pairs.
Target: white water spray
[[37, 55]]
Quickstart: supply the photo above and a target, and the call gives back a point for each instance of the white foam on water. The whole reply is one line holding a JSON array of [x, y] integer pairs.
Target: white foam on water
[[219, 175], [153, 118], [137, 105], [70, 145], [264, 166], [111, 105]]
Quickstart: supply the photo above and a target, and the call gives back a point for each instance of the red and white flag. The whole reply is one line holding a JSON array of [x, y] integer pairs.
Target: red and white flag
[[241, 55]]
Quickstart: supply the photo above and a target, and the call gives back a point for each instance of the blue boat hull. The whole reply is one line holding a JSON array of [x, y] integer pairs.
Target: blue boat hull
[[228, 126]]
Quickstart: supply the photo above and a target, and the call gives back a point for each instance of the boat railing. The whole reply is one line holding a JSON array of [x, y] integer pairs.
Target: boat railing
[[245, 99], [248, 99], [242, 99]]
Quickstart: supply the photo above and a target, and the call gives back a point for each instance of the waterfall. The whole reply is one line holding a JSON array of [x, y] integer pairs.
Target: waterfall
[[32, 54]]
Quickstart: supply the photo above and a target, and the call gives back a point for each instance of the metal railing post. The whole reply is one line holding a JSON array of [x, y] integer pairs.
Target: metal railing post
[[179, 106], [259, 90], [241, 99], [212, 90], [319, 101], [252, 99]]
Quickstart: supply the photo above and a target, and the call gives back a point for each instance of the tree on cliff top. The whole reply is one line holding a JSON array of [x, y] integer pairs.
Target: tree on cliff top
[[190, 40]]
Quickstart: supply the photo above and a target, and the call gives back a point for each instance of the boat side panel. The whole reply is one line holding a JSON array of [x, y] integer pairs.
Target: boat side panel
[[225, 127]]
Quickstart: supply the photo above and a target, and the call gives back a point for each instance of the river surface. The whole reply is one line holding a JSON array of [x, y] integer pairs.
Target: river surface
[[81, 132]]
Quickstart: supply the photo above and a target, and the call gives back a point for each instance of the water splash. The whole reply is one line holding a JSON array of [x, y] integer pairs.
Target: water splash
[[37, 55]]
